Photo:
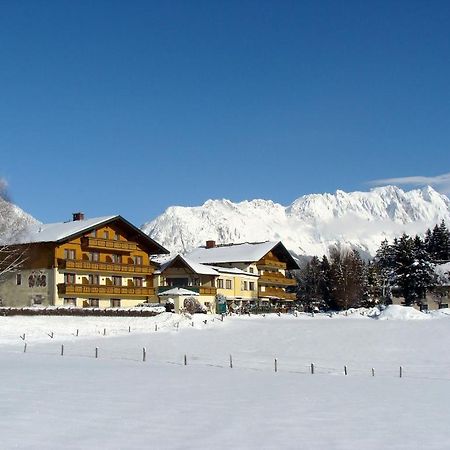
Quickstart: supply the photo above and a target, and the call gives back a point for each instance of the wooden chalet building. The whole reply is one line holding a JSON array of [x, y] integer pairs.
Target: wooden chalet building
[[100, 262]]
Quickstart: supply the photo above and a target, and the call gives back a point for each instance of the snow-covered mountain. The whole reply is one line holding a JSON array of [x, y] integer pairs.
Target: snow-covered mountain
[[309, 225], [12, 220]]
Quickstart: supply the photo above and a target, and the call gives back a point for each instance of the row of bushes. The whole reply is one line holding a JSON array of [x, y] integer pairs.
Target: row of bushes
[[114, 312]]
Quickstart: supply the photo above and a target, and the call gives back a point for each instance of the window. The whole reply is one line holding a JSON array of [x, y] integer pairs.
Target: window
[[69, 253], [37, 299], [228, 284], [94, 279], [94, 233], [70, 302], [251, 270], [245, 286], [138, 281], [116, 258], [105, 235], [94, 256], [115, 303], [93, 302], [220, 283], [69, 278], [18, 279], [251, 286], [137, 260], [116, 236], [117, 281]]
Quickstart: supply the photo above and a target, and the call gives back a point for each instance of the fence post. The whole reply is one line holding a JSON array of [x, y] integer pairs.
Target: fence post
[[312, 368], [104, 331], [373, 372], [129, 329], [276, 365], [156, 327], [231, 362], [96, 352], [77, 331], [345, 370], [62, 349], [25, 348], [144, 354], [401, 371], [185, 360]]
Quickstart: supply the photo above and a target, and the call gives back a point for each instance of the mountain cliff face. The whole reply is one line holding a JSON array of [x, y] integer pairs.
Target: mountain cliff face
[[309, 225], [12, 220]]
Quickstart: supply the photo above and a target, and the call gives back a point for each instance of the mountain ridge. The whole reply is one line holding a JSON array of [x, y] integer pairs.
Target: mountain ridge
[[309, 225]]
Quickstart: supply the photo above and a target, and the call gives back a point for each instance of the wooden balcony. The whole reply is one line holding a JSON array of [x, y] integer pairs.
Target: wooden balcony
[[108, 244], [278, 293], [99, 290], [109, 267], [276, 279], [270, 263]]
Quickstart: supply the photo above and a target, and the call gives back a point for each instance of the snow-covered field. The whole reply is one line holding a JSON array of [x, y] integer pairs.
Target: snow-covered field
[[117, 401]]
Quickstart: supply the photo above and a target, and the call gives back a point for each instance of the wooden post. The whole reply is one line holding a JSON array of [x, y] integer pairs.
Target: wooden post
[[62, 349], [345, 370], [185, 360], [401, 371], [25, 348], [276, 365], [231, 362], [373, 372], [129, 329], [312, 368], [104, 331], [144, 354], [192, 323], [77, 331], [96, 352], [156, 327]]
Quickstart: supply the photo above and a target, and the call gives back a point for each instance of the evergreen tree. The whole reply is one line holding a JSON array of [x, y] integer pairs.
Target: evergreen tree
[[326, 282]]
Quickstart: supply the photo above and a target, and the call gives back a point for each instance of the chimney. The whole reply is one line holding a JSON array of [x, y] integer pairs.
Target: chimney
[[210, 244], [78, 216]]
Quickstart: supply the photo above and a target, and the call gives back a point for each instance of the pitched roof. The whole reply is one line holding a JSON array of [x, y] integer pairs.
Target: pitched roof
[[63, 231], [246, 253], [197, 268], [178, 291]]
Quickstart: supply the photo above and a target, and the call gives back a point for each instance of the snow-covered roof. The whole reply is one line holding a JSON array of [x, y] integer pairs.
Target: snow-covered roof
[[61, 231], [54, 232], [234, 271], [179, 291], [197, 268], [245, 253]]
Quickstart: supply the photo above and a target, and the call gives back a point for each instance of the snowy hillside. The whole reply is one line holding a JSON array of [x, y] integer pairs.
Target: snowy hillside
[[309, 225], [12, 220]]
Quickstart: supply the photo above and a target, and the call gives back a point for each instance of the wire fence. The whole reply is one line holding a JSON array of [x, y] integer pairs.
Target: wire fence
[[237, 362]]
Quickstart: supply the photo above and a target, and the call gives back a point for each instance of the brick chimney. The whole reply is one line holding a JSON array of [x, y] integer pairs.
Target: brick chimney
[[78, 216], [210, 244]]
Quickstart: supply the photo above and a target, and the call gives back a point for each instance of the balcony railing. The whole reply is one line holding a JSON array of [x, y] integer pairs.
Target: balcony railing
[[109, 244], [278, 293], [273, 263], [274, 279], [202, 290], [104, 290], [110, 267]]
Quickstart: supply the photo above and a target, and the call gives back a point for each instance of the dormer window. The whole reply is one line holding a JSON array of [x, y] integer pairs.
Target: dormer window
[[105, 235]]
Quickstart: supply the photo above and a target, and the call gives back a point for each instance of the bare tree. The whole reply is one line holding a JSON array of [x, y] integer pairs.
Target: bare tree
[[12, 258]]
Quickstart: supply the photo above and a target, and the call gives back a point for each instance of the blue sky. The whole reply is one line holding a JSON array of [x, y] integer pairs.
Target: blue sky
[[130, 107]]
